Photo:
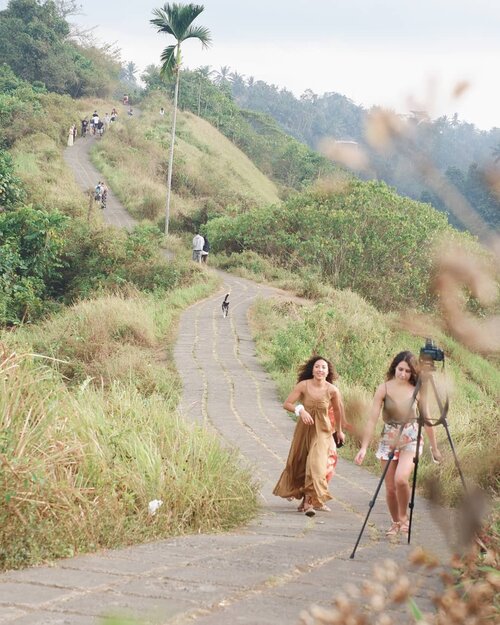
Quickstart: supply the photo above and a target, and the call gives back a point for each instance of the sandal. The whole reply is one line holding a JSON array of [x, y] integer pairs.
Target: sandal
[[404, 527], [394, 529], [309, 510], [301, 506]]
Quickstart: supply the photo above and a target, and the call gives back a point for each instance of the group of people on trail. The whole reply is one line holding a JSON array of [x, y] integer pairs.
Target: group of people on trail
[[96, 125], [93, 125], [318, 405], [201, 248], [101, 193]]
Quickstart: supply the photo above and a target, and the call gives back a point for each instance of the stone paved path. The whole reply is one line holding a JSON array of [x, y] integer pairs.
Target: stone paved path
[[266, 572]]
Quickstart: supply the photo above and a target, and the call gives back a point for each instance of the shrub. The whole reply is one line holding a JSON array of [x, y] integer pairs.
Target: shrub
[[363, 237], [31, 241]]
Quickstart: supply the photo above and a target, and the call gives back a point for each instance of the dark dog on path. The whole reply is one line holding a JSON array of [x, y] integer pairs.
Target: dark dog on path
[[225, 306]]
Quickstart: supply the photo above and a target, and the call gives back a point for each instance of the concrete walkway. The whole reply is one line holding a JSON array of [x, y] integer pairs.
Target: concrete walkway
[[267, 572]]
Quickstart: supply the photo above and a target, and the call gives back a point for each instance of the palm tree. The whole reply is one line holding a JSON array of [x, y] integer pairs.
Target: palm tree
[[222, 76], [176, 20], [131, 70], [237, 83], [204, 72]]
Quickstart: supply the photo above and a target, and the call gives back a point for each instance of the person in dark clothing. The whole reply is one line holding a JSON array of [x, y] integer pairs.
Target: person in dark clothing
[[205, 251]]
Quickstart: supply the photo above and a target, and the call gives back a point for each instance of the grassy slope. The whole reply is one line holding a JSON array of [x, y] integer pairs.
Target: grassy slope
[[210, 173], [356, 333], [37, 155], [214, 176]]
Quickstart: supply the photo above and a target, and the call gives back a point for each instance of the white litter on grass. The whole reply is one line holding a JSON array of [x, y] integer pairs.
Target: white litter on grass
[[153, 506]]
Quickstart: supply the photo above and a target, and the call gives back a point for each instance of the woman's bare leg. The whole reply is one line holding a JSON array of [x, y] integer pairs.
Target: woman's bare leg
[[390, 489], [401, 478]]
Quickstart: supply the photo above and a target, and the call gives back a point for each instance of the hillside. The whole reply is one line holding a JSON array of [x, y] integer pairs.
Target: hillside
[[461, 153], [211, 175]]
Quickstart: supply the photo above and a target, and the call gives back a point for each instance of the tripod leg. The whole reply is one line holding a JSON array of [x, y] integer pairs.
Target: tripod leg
[[452, 447], [414, 482], [442, 420], [372, 502]]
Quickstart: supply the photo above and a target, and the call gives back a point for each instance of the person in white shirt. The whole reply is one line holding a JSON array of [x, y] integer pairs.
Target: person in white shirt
[[198, 243]]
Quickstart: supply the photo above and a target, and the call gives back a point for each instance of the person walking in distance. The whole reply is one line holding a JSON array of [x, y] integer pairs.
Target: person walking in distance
[[205, 250], [394, 398], [198, 242], [304, 476], [104, 195], [71, 136]]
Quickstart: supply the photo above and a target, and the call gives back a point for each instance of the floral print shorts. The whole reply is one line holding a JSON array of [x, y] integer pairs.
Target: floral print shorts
[[391, 438]]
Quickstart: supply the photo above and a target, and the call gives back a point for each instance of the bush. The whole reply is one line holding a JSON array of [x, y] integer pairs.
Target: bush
[[30, 262], [364, 237]]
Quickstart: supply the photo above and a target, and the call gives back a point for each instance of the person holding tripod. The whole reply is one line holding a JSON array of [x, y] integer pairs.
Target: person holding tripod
[[395, 400]]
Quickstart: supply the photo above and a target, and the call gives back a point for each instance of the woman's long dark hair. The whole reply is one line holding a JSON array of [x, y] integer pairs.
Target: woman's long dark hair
[[410, 360], [306, 371]]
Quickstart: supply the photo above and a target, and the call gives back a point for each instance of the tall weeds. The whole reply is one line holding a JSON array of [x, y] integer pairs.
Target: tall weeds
[[90, 434]]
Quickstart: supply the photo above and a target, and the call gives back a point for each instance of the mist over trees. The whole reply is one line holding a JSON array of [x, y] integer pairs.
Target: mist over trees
[[450, 144]]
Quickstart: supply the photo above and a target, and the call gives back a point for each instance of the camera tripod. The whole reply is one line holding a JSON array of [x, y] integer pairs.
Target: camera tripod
[[424, 378]]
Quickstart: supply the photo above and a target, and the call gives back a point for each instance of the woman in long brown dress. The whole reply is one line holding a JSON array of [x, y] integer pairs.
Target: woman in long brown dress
[[304, 476]]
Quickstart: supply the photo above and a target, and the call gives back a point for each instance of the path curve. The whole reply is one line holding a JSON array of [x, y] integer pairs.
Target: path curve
[[266, 572]]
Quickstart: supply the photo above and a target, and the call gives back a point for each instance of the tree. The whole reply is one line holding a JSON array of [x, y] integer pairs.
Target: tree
[[130, 71], [177, 20], [35, 43], [222, 75]]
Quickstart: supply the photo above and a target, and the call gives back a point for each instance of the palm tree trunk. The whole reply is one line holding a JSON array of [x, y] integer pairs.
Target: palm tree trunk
[[171, 156], [199, 99]]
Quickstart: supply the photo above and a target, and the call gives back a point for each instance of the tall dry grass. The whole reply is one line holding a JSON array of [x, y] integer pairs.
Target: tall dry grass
[[210, 173], [90, 434]]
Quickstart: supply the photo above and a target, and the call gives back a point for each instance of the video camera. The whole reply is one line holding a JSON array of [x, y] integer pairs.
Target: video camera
[[430, 352]]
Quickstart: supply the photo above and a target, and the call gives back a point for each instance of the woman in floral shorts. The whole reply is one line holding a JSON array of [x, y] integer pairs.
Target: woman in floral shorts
[[392, 440], [394, 399]]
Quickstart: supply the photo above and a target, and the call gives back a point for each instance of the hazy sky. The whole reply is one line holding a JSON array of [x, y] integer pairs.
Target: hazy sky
[[397, 53]]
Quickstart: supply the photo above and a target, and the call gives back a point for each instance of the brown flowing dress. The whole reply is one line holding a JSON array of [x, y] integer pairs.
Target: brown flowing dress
[[305, 470]]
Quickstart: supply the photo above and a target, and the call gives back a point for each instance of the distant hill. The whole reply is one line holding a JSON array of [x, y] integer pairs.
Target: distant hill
[[462, 153]]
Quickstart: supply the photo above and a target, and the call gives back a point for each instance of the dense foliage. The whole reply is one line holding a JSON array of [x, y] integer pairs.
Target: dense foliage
[[31, 242], [19, 105], [35, 43], [11, 190], [364, 237]]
